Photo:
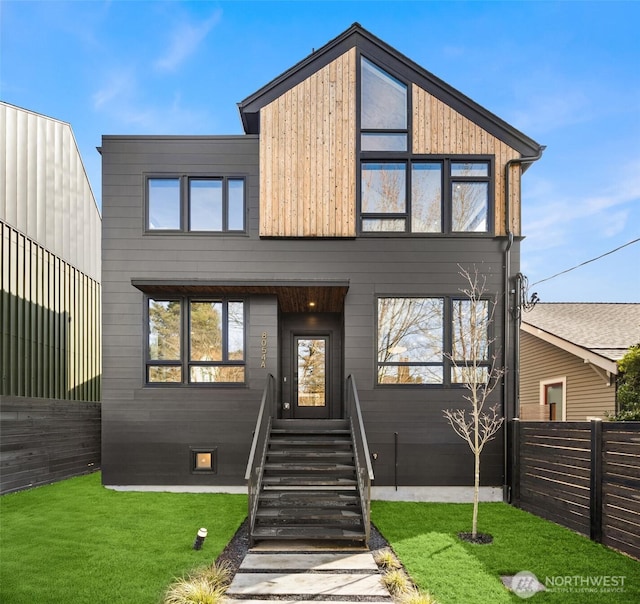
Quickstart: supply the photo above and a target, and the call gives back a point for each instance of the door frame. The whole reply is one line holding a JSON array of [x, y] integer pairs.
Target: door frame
[[321, 325]]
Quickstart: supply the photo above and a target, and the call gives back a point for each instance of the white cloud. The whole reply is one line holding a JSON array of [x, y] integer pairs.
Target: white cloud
[[119, 84], [185, 39]]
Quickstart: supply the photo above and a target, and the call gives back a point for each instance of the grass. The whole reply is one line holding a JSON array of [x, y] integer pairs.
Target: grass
[[78, 543], [424, 536]]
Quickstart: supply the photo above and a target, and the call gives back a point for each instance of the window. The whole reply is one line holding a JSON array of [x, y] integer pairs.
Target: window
[[432, 341], [405, 193], [416, 196], [196, 204], [553, 399], [383, 110], [210, 350]]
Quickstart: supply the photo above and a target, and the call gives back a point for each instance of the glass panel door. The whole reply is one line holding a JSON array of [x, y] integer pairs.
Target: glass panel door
[[311, 371]]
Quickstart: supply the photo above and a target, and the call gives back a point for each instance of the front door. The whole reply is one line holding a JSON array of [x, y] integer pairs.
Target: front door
[[310, 375], [311, 366]]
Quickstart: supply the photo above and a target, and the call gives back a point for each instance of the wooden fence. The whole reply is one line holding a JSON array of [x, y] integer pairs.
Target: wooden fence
[[583, 475], [45, 440]]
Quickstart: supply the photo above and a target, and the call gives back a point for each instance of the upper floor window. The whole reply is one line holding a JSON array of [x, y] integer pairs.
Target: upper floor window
[[196, 204], [195, 341], [383, 110], [416, 196]]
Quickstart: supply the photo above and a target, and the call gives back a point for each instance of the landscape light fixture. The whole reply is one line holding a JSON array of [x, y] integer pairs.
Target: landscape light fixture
[[200, 537]]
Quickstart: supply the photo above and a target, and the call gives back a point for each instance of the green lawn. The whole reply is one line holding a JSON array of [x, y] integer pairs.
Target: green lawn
[[75, 542], [424, 536]]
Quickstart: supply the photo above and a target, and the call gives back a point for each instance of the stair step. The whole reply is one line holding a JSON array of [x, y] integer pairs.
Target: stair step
[[309, 513], [313, 424], [310, 453], [327, 498], [289, 440], [311, 481], [293, 531], [313, 467]]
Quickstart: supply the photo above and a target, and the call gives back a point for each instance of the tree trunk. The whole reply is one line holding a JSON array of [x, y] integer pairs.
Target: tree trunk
[[476, 490]]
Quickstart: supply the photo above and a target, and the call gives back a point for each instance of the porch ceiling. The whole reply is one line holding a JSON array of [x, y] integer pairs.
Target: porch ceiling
[[293, 296]]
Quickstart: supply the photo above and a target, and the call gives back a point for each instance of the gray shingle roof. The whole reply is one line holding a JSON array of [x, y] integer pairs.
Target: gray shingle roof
[[607, 329]]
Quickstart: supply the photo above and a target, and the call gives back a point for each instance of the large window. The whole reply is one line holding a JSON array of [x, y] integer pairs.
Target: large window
[[405, 193], [196, 204], [443, 196], [196, 341], [427, 341]]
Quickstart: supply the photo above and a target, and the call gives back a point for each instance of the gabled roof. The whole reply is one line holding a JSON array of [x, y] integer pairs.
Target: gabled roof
[[600, 333], [389, 58]]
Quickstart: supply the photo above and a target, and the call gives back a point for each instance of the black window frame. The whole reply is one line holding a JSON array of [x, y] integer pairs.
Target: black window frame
[[409, 158], [448, 365], [185, 181], [185, 363]]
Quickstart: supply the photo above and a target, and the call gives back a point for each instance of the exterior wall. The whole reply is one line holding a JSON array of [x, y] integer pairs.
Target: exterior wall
[[440, 129], [587, 394], [45, 193], [147, 431], [307, 156]]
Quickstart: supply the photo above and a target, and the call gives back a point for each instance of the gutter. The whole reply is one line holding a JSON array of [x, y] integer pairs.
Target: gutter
[[508, 293]]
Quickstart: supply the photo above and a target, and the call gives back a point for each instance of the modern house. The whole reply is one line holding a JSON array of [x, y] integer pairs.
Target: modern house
[[50, 351], [322, 247], [569, 354]]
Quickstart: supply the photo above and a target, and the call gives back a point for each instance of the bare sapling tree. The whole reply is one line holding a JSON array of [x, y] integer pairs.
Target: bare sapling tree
[[475, 366]]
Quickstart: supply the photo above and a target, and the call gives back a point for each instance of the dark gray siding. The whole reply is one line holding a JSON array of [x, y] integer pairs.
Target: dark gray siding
[[147, 431]]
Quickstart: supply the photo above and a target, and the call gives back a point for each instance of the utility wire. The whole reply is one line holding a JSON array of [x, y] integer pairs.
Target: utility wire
[[573, 268]]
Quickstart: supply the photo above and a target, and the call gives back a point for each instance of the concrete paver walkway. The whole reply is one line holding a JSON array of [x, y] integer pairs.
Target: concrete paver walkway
[[300, 572]]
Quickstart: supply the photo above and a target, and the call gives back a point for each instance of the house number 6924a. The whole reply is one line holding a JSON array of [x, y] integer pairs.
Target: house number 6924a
[[263, 350]]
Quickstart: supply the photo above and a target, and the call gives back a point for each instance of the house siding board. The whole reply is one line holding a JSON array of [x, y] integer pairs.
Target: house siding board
[[155, 425], [587, 393]]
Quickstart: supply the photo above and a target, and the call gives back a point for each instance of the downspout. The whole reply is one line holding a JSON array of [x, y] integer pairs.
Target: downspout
[[507, 311]]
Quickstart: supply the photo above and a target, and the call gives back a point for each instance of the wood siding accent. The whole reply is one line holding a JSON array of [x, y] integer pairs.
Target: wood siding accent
[[587, 393], [582, 475], [440, 130], [46, 440], [307, 156]]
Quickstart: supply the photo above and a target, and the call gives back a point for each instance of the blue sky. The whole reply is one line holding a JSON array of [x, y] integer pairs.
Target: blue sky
[[565, 73]]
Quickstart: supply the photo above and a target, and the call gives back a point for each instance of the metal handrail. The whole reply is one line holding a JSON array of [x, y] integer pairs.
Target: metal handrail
[[257, 455], [364, 469]]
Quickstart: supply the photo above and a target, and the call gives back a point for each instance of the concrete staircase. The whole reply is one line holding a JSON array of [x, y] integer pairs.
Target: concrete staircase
[[309, 488]]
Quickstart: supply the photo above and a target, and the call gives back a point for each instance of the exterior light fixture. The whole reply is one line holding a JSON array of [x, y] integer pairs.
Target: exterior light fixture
[[312, 304], [200, 537]]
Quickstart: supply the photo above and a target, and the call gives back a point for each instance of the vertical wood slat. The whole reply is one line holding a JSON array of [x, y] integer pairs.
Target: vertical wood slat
[[440, 130], [307, 152], [49, 314]]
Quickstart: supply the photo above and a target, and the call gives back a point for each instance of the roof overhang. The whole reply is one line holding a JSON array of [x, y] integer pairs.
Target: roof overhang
[[293, 296], [389, 58], [588, 356]]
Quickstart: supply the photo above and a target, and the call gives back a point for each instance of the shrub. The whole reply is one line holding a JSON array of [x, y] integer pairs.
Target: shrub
[[397, 582], [386, 559]]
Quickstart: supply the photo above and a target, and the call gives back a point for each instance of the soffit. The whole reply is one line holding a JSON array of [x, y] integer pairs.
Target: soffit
[[327, 296]]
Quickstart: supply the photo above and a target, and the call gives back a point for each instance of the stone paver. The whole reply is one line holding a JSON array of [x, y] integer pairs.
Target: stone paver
[[327, 584], [299, 572], [310, 561]]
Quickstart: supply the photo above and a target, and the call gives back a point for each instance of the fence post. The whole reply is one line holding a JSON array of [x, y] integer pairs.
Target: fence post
[[515, 461], [595, 490]]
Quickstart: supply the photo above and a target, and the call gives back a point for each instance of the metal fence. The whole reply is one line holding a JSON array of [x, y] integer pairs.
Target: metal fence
[[582, 475]]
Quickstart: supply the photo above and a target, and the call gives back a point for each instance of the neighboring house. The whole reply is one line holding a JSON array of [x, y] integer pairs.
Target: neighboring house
[[322, 243], [568, 358], [50, 351]]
